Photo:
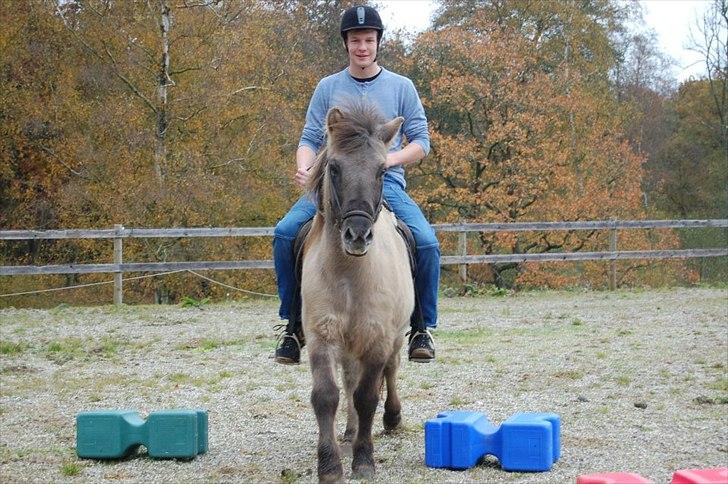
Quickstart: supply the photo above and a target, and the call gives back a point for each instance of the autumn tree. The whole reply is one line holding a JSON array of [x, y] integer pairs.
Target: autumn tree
[[40, 131], [526, 126], [157, 114]]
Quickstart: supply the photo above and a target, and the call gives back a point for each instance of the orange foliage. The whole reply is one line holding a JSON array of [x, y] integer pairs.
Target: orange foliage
[[524, 127]]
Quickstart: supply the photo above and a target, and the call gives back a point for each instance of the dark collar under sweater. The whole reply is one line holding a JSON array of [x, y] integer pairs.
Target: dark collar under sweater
[[368, 79]]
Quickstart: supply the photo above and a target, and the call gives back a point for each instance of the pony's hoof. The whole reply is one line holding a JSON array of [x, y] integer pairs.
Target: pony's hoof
[[363, 471], [331, 479], [391, 421]]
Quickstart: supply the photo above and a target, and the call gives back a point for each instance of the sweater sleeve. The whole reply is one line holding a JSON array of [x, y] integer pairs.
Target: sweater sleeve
[[314, 129], [415, 122]]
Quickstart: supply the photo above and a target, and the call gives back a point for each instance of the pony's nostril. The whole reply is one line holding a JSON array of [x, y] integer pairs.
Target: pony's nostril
[[349, 235], [368, 236]]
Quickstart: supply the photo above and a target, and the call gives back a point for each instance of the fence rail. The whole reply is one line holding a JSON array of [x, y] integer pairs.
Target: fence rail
[[118, 233], [132, 233]]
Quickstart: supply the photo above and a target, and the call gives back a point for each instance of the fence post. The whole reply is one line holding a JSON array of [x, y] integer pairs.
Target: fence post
[[118, 294], [463, 246], [613, 262]]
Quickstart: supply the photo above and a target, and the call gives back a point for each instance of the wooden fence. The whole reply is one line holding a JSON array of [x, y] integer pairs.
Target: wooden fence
[[118, 233]]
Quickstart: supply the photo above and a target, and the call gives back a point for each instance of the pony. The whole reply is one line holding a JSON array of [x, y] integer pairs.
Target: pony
[[356, 286]]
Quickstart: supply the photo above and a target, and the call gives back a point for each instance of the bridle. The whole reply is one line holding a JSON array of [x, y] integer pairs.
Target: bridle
[[336, 204]]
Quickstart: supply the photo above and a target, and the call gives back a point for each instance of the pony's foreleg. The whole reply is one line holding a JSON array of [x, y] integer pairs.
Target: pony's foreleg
[[392, 405], [366, 398], [351, 375], [325, 399]]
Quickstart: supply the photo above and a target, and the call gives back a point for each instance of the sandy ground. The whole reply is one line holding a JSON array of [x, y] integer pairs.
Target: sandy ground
[[639, 379]]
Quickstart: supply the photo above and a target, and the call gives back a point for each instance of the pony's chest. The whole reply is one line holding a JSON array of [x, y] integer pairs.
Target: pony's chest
[[347, 295]]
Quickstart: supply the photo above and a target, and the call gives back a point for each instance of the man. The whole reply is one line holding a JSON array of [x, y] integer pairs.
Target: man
[[394, 95]]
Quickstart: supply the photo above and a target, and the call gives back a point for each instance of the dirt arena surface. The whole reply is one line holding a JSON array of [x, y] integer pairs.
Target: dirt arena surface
[[639, 379]]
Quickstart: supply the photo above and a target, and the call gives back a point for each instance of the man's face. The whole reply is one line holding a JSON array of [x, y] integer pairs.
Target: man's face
[[362, 47]]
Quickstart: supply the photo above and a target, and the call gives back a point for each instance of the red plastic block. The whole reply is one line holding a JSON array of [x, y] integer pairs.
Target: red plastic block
[[612, 478], [701, 476]]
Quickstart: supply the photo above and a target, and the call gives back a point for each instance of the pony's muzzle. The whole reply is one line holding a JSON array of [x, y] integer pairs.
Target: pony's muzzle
[[356, 235]]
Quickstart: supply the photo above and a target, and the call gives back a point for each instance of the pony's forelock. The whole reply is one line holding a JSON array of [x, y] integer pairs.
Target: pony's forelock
[[357, 126]]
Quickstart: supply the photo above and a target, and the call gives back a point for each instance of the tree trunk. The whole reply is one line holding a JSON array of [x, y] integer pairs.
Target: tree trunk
[[163, 80]]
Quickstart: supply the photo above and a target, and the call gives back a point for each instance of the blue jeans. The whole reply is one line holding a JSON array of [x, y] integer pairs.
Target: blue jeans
[[427, 279]]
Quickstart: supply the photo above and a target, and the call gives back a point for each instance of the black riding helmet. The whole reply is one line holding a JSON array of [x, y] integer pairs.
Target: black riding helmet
[[361, 17]]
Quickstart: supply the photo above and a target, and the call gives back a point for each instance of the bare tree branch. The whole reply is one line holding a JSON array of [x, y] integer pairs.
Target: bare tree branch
[[59, 160], [126, 81], [95, 53]]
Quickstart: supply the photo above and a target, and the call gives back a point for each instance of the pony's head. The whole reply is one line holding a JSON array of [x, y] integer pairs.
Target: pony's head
[[349, 175]]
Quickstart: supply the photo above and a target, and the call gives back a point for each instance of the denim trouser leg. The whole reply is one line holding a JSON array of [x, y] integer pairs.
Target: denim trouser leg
[[427, 279], [428, 250], [284, 235]]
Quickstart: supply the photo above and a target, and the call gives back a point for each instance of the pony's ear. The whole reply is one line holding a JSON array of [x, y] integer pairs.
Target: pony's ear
[[333, 117], [388, 131]]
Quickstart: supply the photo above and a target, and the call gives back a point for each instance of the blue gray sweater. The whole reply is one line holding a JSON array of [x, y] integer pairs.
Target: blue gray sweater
[[393, 94]]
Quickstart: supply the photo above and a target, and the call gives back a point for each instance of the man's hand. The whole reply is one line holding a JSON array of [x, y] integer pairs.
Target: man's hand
[[305, 158], [302, 177], [409, 154]]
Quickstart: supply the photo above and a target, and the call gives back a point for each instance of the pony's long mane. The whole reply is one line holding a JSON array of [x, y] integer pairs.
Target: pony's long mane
[[352, 132]]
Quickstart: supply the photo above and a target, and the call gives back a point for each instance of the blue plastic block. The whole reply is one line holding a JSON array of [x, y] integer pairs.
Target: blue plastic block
[[113, 434], [531, 442], [526, 442]]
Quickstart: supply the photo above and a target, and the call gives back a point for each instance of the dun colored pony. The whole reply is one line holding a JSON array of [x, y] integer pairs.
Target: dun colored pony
[[357, 291]]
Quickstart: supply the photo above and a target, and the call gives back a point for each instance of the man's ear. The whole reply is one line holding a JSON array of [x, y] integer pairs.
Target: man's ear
[[388, 131], [333, 117]]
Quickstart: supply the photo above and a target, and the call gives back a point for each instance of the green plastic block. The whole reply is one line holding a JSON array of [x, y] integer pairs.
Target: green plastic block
[[113, 434], [177, 434], [108, 434]]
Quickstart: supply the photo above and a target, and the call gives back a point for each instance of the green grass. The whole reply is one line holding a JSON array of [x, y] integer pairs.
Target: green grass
[[107, 347], [720, 384], [577, 322], [189, 301], [70, 469], [457, 401], [468, 337], [288, 476], [67, 349], [623, 380], [199, 381], [207, 344], [10, 348], [180, 378]]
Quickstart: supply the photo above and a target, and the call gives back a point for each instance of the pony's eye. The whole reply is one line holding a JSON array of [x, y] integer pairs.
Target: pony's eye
[[381, 172], [334, 170]]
